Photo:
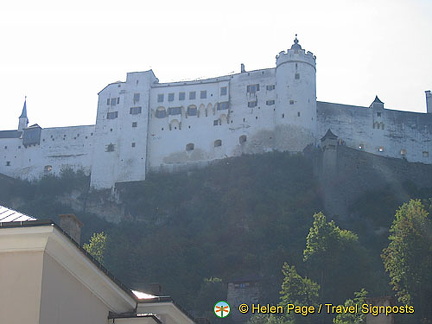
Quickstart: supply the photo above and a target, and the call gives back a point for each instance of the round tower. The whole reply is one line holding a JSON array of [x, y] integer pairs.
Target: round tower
[[295, 111]]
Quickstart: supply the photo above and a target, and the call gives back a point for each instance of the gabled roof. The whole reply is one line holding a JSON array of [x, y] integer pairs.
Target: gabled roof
[[377, 100], [329, 135], [10, 215]]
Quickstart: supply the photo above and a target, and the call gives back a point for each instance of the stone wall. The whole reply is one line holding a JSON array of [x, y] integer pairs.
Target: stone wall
[[345, 174]]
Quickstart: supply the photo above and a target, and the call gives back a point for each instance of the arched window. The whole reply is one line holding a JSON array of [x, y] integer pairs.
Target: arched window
[[242, 139], [202, 111], [217, 143], [161, 112], [192, 110], [175, 124]]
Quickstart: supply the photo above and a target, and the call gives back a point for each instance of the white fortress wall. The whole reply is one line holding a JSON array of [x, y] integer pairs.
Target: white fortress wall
[[198, 121], [55, 149], [385, 132], [122, 130]]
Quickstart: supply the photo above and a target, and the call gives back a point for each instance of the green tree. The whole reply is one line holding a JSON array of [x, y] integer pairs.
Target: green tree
[[353, 318], [269, 319], [408, 257], [332, 253], [211, 291], [96, 246], [296, 289]]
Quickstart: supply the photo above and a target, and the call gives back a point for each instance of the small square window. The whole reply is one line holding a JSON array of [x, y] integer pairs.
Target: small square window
[[203, 94], [112, 115], [192, 95], [170, 96], [133, 144], [425, 154], [182, 96], [270, 102], [291, 102], [378, 114], [252, 88], [108, 101], [216, 122], [252, 104], [270, 87], [134, 124], [135, 110], [160, 97], [190, 147], [8, 163], [297, 76], [223, 91], [109, 148]]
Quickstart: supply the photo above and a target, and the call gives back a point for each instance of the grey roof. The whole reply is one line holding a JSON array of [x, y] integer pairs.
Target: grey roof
[[10, 134], [10, 215]]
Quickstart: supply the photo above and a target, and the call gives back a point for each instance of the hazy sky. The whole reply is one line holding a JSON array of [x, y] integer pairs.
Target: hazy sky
[[61, 55]]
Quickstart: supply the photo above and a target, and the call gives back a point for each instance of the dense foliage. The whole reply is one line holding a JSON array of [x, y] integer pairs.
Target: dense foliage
[[408, 258]]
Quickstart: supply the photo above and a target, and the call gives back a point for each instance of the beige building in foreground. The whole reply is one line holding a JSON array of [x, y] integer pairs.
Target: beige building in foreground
[[47, 278]]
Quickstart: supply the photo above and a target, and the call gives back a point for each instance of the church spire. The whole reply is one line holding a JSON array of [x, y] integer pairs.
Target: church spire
[[23, 120]]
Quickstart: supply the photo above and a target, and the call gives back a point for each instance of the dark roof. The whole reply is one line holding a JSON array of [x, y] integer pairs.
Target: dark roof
[[377, 100], [329, 135], [296, 45], [24, 110], [10, 134], [247, 278]]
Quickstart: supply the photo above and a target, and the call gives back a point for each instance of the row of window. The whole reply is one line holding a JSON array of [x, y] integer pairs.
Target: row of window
[[191, 110], [217, 143], [132, 111], [252, 88], [189, 147], [192, 95], [254, 103], [116, 101]]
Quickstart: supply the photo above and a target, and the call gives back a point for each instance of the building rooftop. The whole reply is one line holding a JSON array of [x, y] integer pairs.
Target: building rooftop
[[10, 215]]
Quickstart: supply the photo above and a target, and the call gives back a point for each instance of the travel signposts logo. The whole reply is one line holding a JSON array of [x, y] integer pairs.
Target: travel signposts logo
[[221, 309]]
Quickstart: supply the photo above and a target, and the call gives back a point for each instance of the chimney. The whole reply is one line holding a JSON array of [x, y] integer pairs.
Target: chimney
[[428, 101], [72, 226], [242, 68], [155, 289]]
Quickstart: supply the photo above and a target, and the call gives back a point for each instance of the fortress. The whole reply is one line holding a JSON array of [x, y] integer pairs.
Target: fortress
[[145, 126]]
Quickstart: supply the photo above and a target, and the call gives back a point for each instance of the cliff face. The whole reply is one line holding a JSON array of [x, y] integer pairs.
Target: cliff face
[[342, 176]]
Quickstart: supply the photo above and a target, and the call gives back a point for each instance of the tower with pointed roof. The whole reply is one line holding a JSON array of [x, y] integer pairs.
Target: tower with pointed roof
[[295, 112], [23, 120]]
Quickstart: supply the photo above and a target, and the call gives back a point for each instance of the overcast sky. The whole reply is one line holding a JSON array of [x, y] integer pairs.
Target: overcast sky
[[60, 56]]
